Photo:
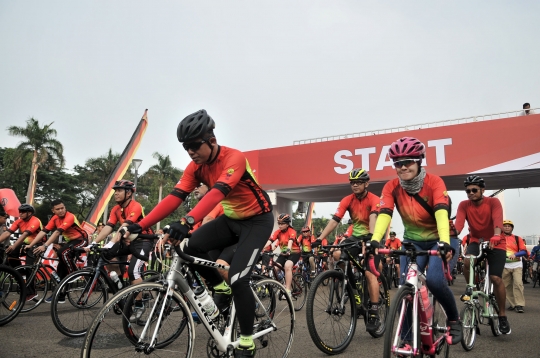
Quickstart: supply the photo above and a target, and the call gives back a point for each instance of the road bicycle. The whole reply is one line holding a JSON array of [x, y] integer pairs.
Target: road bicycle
[[392, 273], [416, 323], [332, 310], [85, 292], [167, 326], [12, 294], [480, 304], [535, 275]]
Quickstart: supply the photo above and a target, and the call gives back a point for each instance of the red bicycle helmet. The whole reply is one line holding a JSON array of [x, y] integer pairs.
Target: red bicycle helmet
[[407, 147], [306, 229], [124, 184]]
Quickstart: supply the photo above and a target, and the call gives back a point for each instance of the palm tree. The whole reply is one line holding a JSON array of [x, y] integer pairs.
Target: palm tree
[[163, 172], [41, 144]]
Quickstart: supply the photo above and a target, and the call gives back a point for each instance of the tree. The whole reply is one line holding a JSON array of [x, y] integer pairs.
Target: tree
[[41, 145]]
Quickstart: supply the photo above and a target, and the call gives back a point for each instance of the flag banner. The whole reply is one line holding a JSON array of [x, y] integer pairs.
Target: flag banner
[[89, 225], [309, 216]]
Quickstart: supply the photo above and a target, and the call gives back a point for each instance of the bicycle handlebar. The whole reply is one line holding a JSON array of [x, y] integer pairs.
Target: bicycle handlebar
[[411, 252]]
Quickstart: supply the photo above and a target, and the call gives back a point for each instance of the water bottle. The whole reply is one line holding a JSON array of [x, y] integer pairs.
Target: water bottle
[[116, 279], [55, 276], [280, 275], [207, 302], [425, 302]]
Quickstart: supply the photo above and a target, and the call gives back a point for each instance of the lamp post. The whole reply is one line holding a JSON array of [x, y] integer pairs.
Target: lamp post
[[136, 164]]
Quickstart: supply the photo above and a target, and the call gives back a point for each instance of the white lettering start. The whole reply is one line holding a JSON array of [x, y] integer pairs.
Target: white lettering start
[[341, 157]]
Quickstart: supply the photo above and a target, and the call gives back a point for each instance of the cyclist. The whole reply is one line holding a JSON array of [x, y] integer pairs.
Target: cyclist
[[350, 229], [285, 238], [127, 211], [393, 243], [3, 219], [64, 224], [535, 258], [29, 226], [248, 218], [484, 216], [307, 241], [422, 202], [363, 207], [512, 274]]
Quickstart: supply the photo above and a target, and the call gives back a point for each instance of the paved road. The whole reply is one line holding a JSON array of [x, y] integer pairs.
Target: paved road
[[34, 335]]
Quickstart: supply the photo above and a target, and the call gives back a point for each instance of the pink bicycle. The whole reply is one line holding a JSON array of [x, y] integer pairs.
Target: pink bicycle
[[416, 323]]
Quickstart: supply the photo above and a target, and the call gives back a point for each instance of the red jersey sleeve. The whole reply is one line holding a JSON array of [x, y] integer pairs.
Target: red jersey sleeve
[[15, 226], [187, 182], [342, 208], [51, 225], [374, 203], [386, 202], [274, 236], [440, 195], [113, 217], [460, 216]]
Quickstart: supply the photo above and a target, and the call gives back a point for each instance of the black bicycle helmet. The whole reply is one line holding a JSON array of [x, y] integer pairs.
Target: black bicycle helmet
[[194, 126], [25, 208], [474, 180], [284, 218], [393, 233], [124, 184], [359, 174]]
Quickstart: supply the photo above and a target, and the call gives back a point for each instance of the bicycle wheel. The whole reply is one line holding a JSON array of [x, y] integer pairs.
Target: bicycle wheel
[[494, 316], [439, 330], [469, 327], [399, 325], [39, 286], [395, 277], [12, 294], [85, 298], [299, 290], [331, 313], [384, 303], [270, 312], [534, 278], [113, 335]]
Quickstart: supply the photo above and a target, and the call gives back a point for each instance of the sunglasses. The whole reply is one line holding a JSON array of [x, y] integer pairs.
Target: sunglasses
[[473, 190], [193, 146], [357, 182], [282, 223], [406, 162]]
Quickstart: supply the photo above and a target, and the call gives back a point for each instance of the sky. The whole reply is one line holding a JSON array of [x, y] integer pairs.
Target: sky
[[268, 72]]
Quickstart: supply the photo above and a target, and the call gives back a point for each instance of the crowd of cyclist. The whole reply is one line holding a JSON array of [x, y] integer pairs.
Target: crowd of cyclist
[[236, 217]]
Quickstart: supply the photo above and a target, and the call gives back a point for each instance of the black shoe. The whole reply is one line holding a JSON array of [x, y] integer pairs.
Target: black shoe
[[511, 308], [504, 326], [373, 322], [456, 331], [526, 282], [222, 300], [245, 351], [519, 309]]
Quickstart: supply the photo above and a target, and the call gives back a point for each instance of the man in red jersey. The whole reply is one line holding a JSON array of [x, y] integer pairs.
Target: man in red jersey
[[307, 243], [484, 216], [363, 208], [29, 226], [393, 243], [247, 218], [64, 224]]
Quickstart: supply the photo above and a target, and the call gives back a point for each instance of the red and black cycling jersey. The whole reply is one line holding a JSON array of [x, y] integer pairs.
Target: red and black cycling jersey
[[283, 238], [68, 226], [132, 213], [359, 211], [306, 242], [32, 226]]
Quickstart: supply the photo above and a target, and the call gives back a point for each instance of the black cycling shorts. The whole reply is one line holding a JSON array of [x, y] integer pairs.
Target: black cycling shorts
[[496, 258], [284, 258]]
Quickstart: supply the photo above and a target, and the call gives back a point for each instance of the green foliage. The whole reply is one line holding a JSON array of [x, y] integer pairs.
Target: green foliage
[[13, 176]]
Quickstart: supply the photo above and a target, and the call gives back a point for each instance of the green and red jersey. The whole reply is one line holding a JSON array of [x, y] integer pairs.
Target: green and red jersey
[[32, 226], [514, 244], [306, 242], [68, 226], [418, 223], [393, 244], [283, 237], [359, 211], [132, 213]]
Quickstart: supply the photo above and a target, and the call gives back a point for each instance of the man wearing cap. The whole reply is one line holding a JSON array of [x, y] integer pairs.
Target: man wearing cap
[[515, 249]]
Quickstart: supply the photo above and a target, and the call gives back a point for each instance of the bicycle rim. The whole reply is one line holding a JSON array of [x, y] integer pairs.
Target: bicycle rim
[[111, 334], [331, 325], [38, 284], [299, 290], [273, 307], [83, 300], [439, 330], [11, 294], [494, 317], [469, 327], [399, 325]]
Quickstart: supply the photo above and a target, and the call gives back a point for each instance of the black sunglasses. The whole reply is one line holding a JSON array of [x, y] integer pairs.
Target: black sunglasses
[[193, 146], [406, 162], [357, 182], [473, 190]]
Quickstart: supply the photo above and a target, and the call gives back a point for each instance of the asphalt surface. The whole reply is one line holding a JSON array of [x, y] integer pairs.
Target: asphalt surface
[[34, 335]]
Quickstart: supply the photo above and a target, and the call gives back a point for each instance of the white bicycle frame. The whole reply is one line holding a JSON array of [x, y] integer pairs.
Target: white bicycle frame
[[176, 280]]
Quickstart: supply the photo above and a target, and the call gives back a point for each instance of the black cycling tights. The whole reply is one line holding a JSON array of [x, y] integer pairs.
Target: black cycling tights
[[251, 235]]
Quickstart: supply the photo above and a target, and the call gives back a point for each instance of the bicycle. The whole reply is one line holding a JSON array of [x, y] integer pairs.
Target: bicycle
[[84, 290], [479, 304], [333, 310], [168, 315], [416, 322], [12, 294], [536, 275], [392, 273]]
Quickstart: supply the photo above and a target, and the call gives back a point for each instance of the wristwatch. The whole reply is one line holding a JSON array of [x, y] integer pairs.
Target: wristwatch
[[190, 220]]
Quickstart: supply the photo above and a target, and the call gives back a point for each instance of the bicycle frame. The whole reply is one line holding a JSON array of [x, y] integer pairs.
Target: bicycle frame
[[176, 280], [482, 296]]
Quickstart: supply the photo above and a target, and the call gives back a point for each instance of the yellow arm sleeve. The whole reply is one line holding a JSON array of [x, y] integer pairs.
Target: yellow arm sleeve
[[443, 225], [383, 220]]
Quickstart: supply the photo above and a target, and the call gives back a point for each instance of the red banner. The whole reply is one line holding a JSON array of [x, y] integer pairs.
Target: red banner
[[9, 201]]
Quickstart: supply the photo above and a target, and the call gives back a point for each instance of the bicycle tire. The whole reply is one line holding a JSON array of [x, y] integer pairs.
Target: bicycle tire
[[12, 294], [384, 303], [324, 314], [40, 286], [469, 327], [106, 336], [494, 316], [396, 277], [534, 278], [73, 319], [299, 291], [271, 311], [438, 331], [402, 302]]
